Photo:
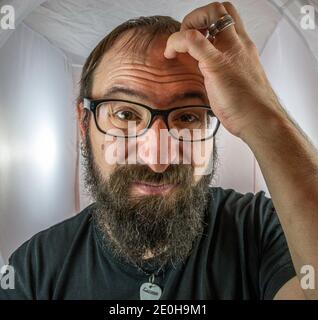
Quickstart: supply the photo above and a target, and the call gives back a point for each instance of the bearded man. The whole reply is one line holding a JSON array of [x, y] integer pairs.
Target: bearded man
[[159, 228]]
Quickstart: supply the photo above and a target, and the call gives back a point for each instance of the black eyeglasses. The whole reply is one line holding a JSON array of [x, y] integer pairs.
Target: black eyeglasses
[[127, 119]]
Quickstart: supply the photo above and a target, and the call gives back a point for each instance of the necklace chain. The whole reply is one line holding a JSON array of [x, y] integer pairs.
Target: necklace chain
[[151, 275]]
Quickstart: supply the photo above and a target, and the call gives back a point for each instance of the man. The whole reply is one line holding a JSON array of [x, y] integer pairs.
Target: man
[[157, 230]]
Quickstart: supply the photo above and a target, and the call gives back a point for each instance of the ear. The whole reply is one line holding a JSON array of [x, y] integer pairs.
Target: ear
[[80, 113]]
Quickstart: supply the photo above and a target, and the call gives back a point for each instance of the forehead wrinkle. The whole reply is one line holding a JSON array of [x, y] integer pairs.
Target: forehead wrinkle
[[153, 76], [140, 85], [159, 81], [156, 71], [163, 66], [150, 87], [132, 74], [156, 96], [157, 66], [149, 73]]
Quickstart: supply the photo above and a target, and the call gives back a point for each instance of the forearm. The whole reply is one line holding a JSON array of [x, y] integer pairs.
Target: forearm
[[289, 164]]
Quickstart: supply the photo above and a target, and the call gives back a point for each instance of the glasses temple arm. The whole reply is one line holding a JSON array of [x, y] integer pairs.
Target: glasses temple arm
[[86, 104]]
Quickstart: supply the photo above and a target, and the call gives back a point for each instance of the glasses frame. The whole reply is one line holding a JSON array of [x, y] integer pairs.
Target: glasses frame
[[92, 105]]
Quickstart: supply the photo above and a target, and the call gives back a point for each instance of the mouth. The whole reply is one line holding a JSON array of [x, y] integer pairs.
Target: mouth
[[147, 188]]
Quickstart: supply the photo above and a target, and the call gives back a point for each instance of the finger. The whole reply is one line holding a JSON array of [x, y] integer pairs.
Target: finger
[[239, 25], [192, 42], [204, 16]]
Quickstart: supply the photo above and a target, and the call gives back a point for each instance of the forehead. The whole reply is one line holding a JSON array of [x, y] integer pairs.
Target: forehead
[[148, 72]]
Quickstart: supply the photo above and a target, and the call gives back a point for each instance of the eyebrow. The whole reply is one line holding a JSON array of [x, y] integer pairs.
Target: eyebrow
[[191, 94]]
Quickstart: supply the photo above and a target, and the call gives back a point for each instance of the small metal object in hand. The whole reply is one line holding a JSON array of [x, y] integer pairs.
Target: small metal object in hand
[[220, 25]]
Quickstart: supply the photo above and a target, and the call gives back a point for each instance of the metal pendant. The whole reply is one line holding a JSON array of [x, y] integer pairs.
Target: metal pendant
[[150, 291]]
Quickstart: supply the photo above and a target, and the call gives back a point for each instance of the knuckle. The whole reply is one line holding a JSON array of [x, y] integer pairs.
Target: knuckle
[[216, 5], [250, 45], [199, 18], [227, 4], [186, 18], [192, 35]]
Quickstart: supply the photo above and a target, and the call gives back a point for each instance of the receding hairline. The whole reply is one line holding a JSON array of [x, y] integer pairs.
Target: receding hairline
[[132, 44], [138, 34]]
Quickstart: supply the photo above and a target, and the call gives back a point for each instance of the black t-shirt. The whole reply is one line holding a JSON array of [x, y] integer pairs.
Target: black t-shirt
[[242, 254]]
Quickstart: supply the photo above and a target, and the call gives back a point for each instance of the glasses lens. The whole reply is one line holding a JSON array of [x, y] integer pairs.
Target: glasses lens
[[122, 118], [192, 123]]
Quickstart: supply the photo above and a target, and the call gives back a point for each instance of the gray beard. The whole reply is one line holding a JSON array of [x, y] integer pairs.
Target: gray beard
[[167, 226]]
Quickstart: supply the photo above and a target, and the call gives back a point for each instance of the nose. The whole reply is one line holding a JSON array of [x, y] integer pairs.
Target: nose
[[155, 148]]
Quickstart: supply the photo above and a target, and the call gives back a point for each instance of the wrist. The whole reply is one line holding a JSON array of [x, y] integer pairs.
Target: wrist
[[267, 125]]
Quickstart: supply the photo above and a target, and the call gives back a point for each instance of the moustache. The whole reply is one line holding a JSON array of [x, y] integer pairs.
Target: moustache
[[181, 174]]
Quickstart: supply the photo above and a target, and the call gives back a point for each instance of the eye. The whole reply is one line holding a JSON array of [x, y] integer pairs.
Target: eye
[[188, 117], [126, 115]]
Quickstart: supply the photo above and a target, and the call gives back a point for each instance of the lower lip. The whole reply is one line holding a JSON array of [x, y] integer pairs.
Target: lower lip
[[147, 189]]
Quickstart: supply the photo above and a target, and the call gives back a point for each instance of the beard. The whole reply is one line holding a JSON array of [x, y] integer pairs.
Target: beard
[[166, 225]]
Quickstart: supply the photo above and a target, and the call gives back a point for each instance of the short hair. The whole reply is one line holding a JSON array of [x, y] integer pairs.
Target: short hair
[[144, 31]]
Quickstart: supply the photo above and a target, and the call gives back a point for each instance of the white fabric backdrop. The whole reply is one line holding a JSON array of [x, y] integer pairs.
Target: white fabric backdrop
[[22, 10], [293, 73], [38, 148], [77, 26], [39, 185], [1, 261]]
